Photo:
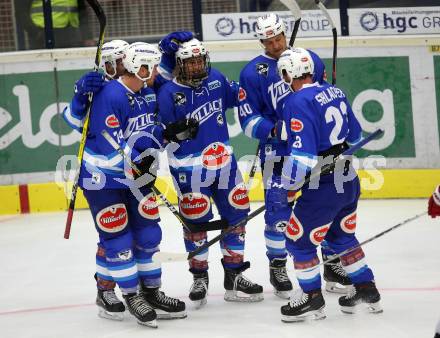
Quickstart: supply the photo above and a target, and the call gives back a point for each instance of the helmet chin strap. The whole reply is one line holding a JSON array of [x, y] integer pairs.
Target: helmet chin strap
[[143, 79]]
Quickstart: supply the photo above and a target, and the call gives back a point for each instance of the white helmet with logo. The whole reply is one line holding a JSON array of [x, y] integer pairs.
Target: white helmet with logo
[[269, 25], [189, 49], [110, 52], [296, 62], [192, 49], [140, 54]]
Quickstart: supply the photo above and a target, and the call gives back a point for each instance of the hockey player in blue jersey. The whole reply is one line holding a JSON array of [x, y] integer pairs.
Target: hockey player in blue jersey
[[206, 168], [319, 123], [263, 93], [112, 54], [128, 228]]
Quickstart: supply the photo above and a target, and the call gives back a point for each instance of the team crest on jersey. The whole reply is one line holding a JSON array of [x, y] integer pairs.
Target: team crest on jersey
[[182, 178], [215, 156], [148, 208], [317, 235], [131, 99], [179, 99], [220, 120], [112, 121], [238, 197], [113, 218], [291, 196], [296, 125], [294, 229], [348, 223], [194, 205], [262, 68], [241, 94]]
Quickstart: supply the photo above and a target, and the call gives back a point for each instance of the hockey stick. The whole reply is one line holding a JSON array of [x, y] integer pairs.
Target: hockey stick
[[324, 170], [380, 234], [102, 24], [296, 12], [253, 169], [121, 152], [335, 37]]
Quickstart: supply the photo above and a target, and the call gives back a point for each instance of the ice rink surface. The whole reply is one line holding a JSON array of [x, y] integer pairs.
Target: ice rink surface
[[47, 287]]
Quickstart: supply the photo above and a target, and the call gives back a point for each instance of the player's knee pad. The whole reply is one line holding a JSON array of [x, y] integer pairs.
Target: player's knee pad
[[277, 208], [148, 237], [112, 220], [119, 248], [342, 243], [195, 206]]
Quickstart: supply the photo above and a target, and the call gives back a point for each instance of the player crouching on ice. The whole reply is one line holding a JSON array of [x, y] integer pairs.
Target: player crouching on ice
[[319, 123], [205, 168], [128, 228]]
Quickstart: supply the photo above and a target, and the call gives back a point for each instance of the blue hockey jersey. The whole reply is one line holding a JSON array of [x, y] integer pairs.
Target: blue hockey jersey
[[207, 104], [262, 99], [317, 117], [262, 96], [125, 115]]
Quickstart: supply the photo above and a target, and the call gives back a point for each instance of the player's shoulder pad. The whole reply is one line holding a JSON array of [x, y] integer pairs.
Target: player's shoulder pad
[[257, 67]]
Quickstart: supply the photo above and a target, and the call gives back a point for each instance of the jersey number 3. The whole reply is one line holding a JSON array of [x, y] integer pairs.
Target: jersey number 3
[[333, 114]]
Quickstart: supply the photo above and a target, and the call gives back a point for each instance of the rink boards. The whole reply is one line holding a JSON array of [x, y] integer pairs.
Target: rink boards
[[46, 197], [392, 82]]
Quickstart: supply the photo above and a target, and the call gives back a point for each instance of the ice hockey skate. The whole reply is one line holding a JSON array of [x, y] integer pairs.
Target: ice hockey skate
[[364, 293], [165, 307], [199, 289], [304, 306], [109, 305], [282, 286], [140, 309], [239, 288], [336, 278]]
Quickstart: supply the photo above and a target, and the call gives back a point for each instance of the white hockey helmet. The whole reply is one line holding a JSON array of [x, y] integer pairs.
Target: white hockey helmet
[[295, 62], [191, 49], [269, 25], [140, 54], [110, 52]]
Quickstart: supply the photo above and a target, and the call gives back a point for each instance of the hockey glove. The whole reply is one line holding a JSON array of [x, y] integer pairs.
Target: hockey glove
[[434, 203], [148, 165], [169, 46], [279, 131], [170, 43], [91, 82], [181, 130]]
